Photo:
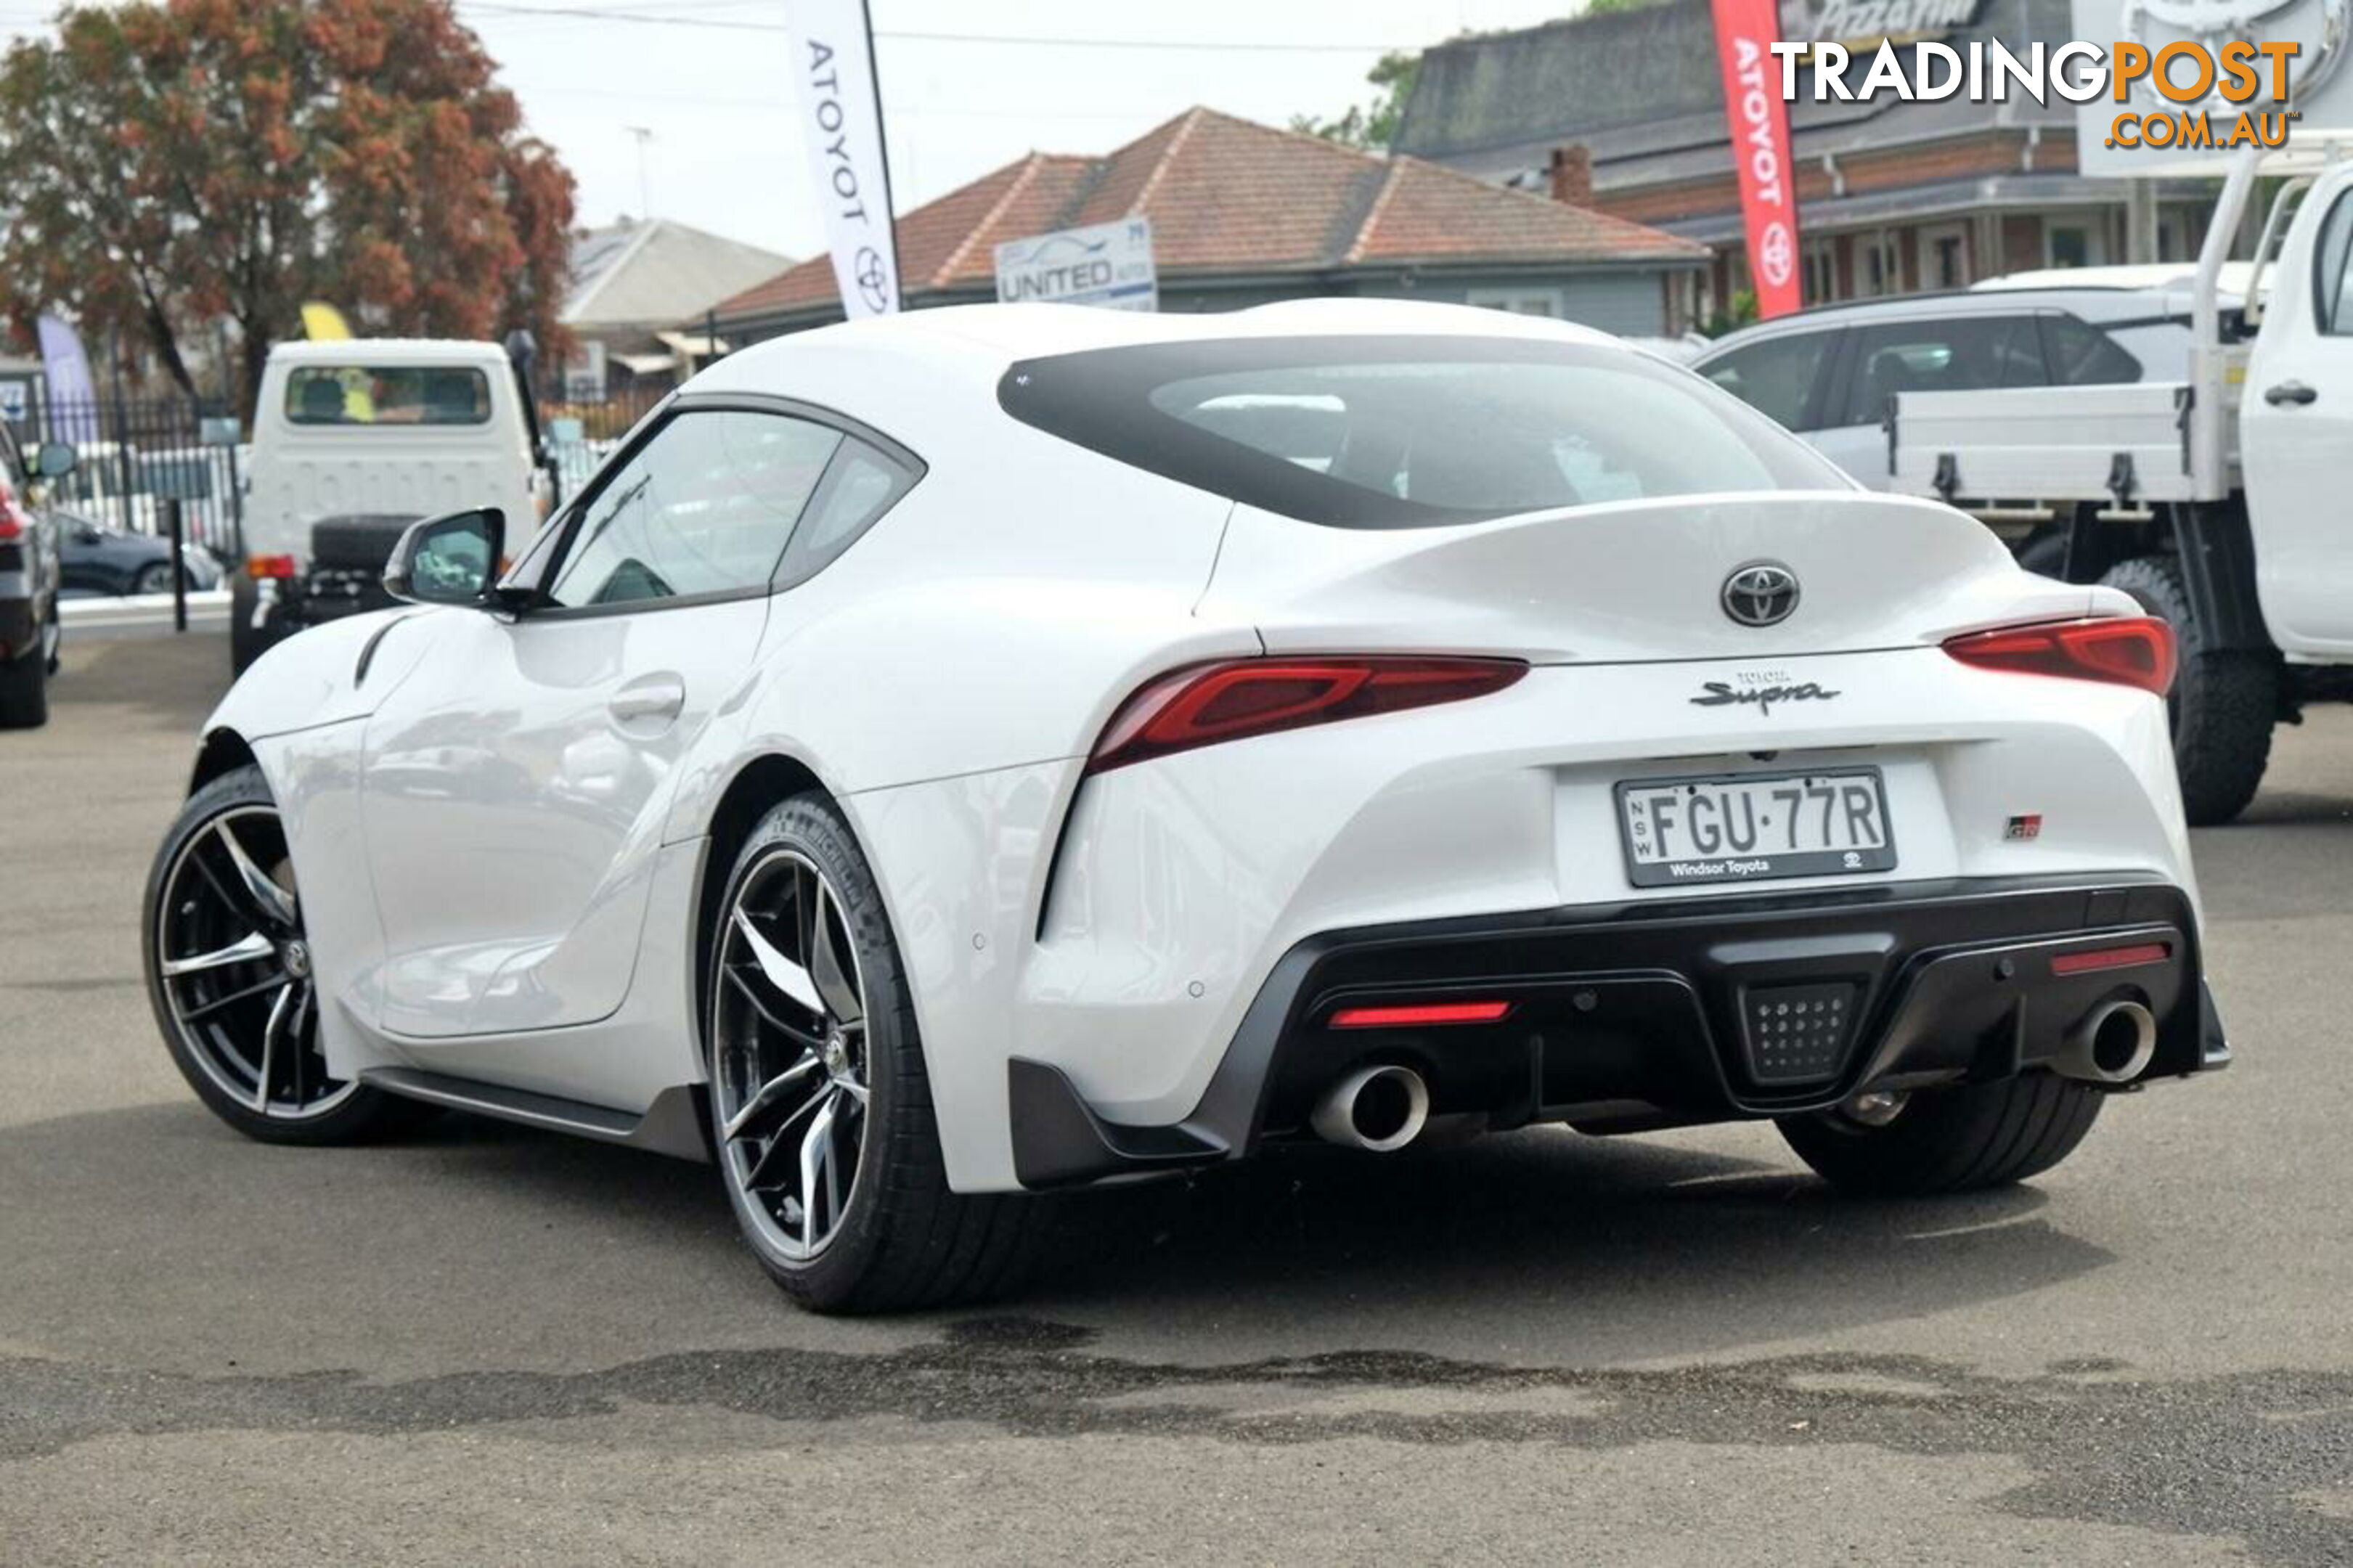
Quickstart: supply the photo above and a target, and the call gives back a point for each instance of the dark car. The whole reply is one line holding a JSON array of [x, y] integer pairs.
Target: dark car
[[98, 558], [29, 585]]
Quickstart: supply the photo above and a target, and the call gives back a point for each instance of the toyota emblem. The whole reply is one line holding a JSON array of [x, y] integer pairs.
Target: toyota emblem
[[1761, 594]]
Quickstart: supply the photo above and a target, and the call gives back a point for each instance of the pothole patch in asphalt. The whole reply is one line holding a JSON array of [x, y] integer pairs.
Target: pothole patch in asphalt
[[2262, 1456]]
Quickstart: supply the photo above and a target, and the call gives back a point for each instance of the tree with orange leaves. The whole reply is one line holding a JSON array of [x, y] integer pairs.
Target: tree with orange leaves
[[171, 162]]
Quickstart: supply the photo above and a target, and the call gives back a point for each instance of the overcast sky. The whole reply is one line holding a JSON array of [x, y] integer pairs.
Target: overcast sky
[[723, 154], [709, 80]]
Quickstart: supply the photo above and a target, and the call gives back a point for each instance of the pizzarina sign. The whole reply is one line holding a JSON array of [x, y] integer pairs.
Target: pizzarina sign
[[1746, 32]]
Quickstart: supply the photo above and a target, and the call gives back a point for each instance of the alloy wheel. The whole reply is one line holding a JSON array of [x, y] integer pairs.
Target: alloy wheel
[[235, 970], [789, 1057]]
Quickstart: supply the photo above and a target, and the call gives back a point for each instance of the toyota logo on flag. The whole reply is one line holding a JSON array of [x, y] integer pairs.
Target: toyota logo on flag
[[1774, 254], [1761, 594]]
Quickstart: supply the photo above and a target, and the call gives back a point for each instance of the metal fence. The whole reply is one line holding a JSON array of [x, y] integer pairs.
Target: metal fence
[[581, 436], [133, 455]]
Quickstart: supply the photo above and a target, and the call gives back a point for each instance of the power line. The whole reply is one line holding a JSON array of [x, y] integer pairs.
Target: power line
[[593, 13]]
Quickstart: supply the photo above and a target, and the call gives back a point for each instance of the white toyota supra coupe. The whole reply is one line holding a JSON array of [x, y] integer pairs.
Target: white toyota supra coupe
[[945, 758]]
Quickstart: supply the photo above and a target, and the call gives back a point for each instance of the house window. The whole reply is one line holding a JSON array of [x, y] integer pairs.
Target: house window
[[1944, 257], [2074, 243], [1821, 270], [1519, 302], [1878, 265]]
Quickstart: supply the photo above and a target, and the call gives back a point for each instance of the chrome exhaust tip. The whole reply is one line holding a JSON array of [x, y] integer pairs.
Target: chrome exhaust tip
[[2113, 1044], [1378, 1109]]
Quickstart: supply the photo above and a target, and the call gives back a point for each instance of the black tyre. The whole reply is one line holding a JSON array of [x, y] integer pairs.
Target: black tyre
[[362, 544], [2046, 551], [24, 690], [2225, 701], [821, 1113], [1950, 1140], [155, 577], [230, 978]]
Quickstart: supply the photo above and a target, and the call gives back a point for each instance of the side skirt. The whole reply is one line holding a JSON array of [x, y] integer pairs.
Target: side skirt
[[672, 1125]]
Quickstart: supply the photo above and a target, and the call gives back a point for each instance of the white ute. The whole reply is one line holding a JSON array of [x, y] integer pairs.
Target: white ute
[[353, 440], [2223, 514]]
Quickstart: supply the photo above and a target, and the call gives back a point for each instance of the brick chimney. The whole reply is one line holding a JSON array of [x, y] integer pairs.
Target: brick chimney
[[1572, 174]]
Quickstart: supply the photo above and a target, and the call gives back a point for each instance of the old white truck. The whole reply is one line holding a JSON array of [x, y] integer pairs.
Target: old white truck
[[2229, 515], [353, 439]]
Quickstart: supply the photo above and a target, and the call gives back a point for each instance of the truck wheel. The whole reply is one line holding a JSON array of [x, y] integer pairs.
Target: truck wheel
[[2044, 550], [1949, 1139], [2224, 700]]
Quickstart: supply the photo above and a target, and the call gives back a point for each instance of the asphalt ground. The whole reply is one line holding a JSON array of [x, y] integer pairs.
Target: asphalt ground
[[490, 1344]]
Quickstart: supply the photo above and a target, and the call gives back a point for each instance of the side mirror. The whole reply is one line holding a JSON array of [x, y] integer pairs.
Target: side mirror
[[53, 460], [451, 560]]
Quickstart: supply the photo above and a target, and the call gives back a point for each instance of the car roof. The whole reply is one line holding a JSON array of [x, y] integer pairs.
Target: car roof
[[2096, 304], [389, 351], [993, 337]]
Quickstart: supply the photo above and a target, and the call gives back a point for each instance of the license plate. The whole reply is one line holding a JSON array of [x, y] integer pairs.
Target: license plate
[[1746, 827]]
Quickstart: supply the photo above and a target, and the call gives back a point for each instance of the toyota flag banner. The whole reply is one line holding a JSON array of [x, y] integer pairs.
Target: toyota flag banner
[[841, 119], [1759, 122]]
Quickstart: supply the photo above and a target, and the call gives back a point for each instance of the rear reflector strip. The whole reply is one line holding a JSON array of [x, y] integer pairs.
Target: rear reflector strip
[[1419, 1016], [2110, 958]]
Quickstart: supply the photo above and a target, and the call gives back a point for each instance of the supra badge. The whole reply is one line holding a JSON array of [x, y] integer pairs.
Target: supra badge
[[1760, 689]]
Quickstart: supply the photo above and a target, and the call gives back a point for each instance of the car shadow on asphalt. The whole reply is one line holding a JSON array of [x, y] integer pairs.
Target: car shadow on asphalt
[[1603, 1247]]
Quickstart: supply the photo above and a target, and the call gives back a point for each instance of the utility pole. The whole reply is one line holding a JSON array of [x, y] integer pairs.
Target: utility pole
[[644, 133]]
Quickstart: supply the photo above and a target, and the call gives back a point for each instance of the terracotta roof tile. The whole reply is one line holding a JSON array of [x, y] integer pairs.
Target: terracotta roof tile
[[1226, 194]]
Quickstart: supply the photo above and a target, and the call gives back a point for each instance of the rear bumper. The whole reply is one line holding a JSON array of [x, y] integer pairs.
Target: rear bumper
[[1663, 1013]]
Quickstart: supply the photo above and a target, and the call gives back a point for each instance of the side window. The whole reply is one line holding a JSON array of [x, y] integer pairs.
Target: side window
[[2333, 271], [861, 484], [2082, 355], [706, 505], [1776, 377], [1962, 354]]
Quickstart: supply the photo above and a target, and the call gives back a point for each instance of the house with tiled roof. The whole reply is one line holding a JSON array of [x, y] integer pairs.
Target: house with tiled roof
[[637, 294], [1243, 214]]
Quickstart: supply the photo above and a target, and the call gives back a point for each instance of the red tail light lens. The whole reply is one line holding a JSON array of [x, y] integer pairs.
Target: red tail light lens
[[2131, 650], [13, 523], [2101, 958], [259, 566], [1214, 702], [1420, 1015]]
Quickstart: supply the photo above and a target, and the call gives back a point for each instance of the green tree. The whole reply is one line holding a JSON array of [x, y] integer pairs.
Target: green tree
[[174, 162], [1372, 126]]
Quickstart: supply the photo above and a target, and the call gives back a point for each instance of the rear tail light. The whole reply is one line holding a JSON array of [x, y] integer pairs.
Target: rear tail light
[[1417, 1016], [259, 566], [2130, 650], [1209, 703], [2110, 958], [13, 523]]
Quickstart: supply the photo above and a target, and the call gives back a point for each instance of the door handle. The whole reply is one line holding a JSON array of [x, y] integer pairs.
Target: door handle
[[659, 697], [2289, 392]]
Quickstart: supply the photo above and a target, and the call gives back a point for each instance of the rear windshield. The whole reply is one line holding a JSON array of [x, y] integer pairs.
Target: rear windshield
[[1405, 432], [387, 395]]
